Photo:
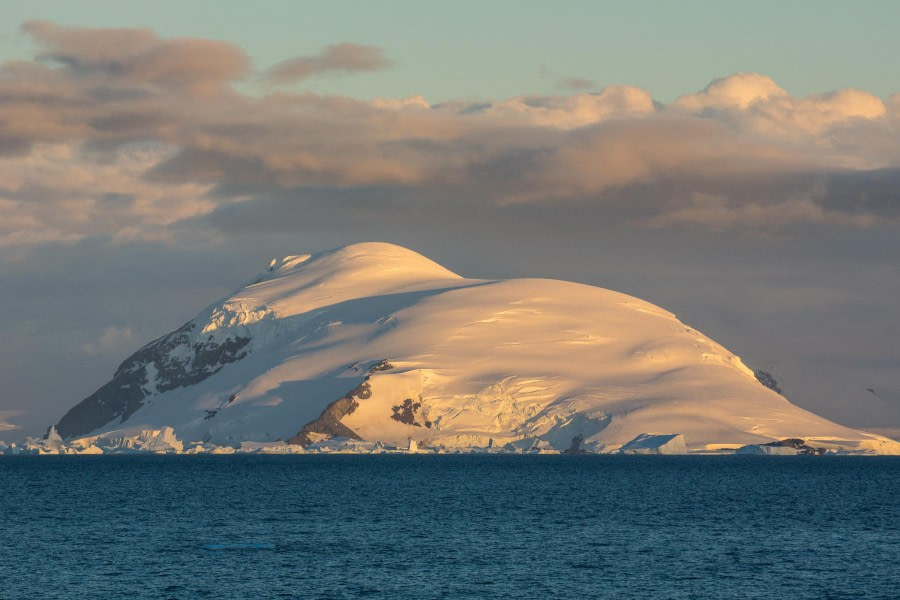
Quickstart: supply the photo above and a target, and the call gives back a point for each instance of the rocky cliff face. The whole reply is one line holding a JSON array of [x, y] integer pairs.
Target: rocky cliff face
[[768, 380], [176, 360]]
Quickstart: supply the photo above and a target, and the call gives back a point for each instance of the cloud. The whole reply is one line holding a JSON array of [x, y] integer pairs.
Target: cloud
[[57, 195], [753, 102], [567, 112], [114, 340], [738, 91], [124, 136], [571, 83], [7, 414], [140, 56], [576, 83], [593, 159], [343, 58], [818, 113], [719, 213]]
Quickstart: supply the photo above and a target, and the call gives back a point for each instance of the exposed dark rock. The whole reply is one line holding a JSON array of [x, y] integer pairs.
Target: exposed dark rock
[[212, 413], [767, 380], [382, 366], [363, 391], [406, 412], [575, 448], [329, 422], [173, 360], [117, 399], [798, 444]]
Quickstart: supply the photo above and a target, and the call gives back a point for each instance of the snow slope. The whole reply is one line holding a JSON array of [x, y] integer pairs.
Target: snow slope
[[412, 350]]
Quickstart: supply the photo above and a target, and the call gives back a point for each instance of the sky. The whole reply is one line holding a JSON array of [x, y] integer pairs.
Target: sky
[[735, 163]]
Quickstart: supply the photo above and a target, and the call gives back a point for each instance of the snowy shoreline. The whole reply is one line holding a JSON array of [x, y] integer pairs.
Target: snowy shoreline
[[164, 442]]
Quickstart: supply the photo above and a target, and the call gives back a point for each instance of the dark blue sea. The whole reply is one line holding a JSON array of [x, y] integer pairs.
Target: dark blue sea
[[449, 527]]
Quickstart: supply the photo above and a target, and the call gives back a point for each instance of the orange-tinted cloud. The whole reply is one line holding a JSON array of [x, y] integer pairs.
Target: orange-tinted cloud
[[343, 58], [124, 134], [139, 56]]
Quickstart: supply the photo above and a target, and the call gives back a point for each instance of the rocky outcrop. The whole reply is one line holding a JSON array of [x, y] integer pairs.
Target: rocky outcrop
[[178, 359], [329, 422], [575, 447], [406, 413], [797, 444], [118, 399], [384, 365], [789, 446], [767, 380]]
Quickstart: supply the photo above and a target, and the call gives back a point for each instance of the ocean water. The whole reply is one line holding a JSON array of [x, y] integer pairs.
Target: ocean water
[[449, 527]]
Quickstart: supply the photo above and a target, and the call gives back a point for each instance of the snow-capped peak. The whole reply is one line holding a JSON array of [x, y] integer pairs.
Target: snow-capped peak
[[376, 342], [297, 284]]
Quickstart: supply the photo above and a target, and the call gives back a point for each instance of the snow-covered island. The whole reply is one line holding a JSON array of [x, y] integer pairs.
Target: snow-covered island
[[375, 348]]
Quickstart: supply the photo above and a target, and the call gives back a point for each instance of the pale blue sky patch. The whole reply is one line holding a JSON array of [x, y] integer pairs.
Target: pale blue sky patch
[[498, 49]]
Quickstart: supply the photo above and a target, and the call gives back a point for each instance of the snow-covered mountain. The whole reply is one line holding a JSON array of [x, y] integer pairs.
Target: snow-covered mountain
[[376, 342]]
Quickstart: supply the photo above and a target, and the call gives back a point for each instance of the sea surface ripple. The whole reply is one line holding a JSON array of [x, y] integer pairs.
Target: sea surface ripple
[[448, 526]]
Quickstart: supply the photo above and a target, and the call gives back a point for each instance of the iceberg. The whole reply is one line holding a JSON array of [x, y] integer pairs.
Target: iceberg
[[647, 443]]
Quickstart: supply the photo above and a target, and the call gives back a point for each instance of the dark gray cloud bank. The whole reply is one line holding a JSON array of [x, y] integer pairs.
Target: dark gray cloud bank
[[138, 184]]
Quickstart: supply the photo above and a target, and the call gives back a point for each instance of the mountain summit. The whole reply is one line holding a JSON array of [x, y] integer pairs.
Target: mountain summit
[[376, 342]]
